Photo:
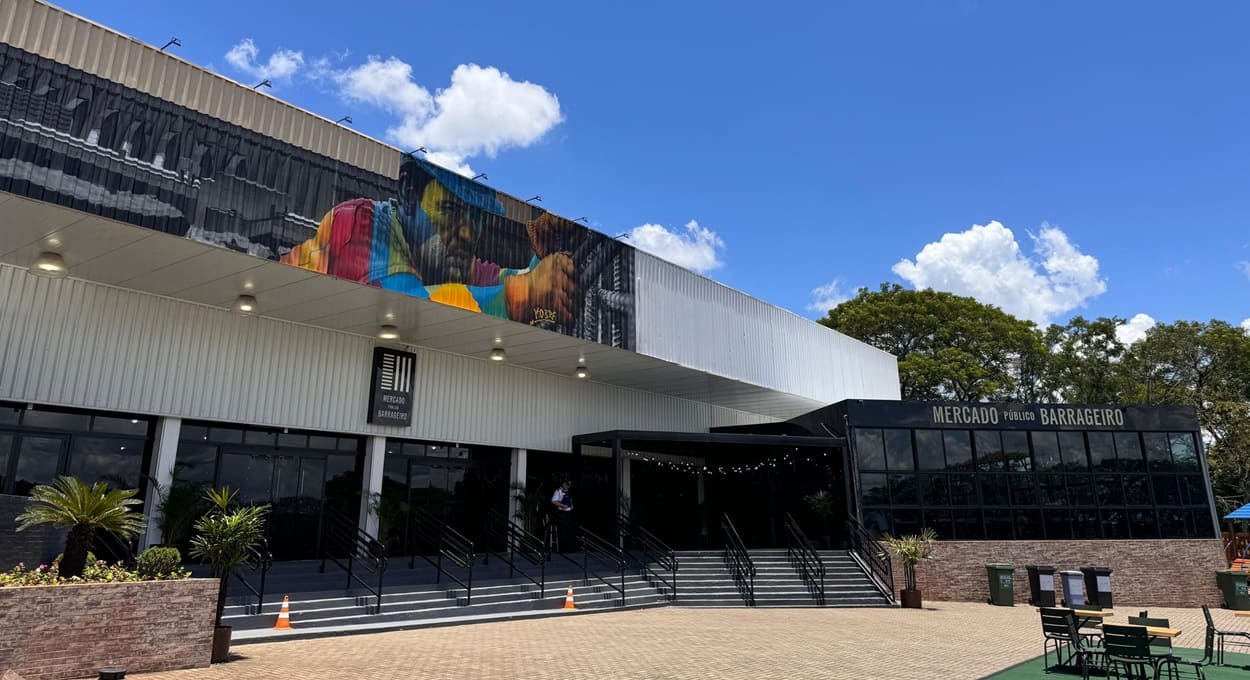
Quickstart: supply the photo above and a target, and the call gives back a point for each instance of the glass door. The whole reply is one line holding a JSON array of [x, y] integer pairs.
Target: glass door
[[36, 459]]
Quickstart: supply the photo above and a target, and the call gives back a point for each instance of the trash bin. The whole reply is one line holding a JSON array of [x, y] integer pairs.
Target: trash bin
[[1002, 584], [1041, 585], [1072, 595], [1233, 587], [1097, 586]]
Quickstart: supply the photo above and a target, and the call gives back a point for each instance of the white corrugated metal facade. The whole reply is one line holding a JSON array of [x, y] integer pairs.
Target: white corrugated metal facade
[[74, 343]]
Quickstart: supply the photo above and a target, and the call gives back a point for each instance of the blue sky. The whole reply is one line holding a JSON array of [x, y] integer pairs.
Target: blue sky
[[1103, 148]]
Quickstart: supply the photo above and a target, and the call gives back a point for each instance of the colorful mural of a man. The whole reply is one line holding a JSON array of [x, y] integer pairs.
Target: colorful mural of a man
[[428, 242]]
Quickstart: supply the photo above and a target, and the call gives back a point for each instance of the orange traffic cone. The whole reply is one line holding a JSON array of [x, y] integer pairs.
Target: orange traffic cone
[[568, 599], [284, 615]]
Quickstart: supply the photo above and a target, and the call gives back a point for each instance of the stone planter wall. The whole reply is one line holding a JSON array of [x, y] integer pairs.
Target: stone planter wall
[[72, 631], [1159, 573]]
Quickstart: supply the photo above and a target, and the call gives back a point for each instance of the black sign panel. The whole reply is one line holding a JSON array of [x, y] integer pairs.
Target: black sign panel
[[1009, 416], [390, 392]]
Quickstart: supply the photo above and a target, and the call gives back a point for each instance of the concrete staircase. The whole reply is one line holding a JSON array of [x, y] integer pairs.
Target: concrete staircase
[[704, 580]]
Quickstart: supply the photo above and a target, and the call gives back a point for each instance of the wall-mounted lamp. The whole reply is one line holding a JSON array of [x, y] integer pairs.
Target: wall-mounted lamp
[[245, 304], [583, 220], [50, 265], [388, 332], [419, 149], [172, 41], [582, 372], [498, 354], [480, 175], [534, 198], [263, 83], [344, 119]]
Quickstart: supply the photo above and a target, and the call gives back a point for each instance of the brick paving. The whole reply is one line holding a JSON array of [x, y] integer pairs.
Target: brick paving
[[945, 640]]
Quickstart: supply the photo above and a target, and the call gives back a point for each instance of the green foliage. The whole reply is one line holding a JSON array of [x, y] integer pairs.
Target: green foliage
[[1085, 365], [948, 346], [911, 550], [823, 503], [94, 572], [179, 505], [157, 562], [226, 535], [68, 502]]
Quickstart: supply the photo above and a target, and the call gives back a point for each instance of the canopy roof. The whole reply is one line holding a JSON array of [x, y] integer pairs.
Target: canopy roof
[[1240, 513]]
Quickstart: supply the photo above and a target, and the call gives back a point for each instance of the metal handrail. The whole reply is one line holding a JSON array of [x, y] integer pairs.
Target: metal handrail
[[340, 531], [258, 559], [446, 542], [871, 557], [518, 542], [119, 550], [596, 546], [805, 559], [739, 561], [654, 551]]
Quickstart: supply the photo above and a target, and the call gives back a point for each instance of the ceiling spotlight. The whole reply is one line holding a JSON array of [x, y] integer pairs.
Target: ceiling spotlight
[[388, 332], [497, 354], [49, 264], [582, 372], [245, 304], [480, 175]]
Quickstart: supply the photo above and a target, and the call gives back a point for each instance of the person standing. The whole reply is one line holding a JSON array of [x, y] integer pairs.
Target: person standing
[[562, 502]]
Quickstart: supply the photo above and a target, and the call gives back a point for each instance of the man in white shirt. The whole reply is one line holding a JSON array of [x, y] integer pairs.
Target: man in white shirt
[[563, 504]]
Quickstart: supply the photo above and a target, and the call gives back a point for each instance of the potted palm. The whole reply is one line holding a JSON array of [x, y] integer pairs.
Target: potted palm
[[84, 510], [824, 505], [224, 537], [911, 550]]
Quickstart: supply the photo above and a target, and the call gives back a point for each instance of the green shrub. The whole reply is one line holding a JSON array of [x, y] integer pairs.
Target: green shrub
[[158, 562]]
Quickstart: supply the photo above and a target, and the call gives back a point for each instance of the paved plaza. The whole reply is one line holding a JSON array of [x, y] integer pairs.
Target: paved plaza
[[946, 640]]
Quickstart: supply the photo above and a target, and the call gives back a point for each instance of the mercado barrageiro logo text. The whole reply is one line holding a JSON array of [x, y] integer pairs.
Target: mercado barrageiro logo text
[[390, 392]]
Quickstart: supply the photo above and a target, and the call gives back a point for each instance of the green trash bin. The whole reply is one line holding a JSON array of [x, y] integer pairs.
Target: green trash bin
[[1233, 587], [1002, 584]]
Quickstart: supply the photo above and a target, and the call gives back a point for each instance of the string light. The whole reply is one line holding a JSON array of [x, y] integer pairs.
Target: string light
[[688, 466]]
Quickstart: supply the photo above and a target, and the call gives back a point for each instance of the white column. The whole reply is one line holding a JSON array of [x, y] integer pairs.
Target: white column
[[375, 458], [520, 461], [161, 472]]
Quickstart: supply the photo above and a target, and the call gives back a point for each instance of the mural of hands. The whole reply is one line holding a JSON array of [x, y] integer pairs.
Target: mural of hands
[[545, 294], [552, 234]]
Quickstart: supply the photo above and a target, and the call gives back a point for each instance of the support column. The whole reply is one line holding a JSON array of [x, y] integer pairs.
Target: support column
[[371, 483], [161, 472], [517, 476], [626, 487]]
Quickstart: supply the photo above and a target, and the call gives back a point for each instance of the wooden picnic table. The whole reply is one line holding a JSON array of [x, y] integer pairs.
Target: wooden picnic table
[[1241, 613]]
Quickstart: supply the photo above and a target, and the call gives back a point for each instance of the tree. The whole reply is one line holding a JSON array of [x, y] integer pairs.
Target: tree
[[226, 536], [948, 346], [68, 502], [1085, 364]]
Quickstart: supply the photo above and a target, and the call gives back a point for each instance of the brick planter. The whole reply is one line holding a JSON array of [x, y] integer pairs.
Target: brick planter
[[72, 631], [1160, 573]]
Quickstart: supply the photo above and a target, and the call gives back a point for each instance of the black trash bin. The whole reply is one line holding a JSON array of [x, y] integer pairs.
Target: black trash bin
[[1097, 586], [1041, 585]]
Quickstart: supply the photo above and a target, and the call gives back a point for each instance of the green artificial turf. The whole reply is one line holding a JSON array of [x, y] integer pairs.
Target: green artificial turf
[[1236, 667]]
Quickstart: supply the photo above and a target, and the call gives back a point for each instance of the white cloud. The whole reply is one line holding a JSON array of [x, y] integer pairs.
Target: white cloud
[[1245, 268], [1134, 329], [828, 296], [482, 111], [697, 249], [985, 262], [282, 64], [1246, 325]]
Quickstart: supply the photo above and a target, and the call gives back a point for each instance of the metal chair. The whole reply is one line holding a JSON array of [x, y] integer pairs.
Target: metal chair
[[1128, 648], [1215, 652], [1161, 648], [1060, 632]]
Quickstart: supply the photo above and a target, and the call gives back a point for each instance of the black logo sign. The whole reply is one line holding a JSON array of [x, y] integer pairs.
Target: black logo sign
[[390, 394]]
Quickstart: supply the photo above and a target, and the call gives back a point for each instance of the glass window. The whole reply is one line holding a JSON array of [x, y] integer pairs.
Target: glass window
[[351, 444], [415, 450], [941, 523], [225, 435], [395, 476], [1136, 490], [1202, 522], [903, 490], [1085, 523], [1128, 452], [1058, 524], [934, 490], [1114, 523], [906, 522], [434, 451], [1081, 490], [1023, 490], [958, 450], [1110, 491], [6, 445], [116, 462], [1175, 523], [1142, 524], [312, 478], [929, 450], [458, 452], [132, 426], [963, 489], [1045, 450], [258, 438], [1102, 451], [56, 420], [989, 451], [1158, 452], [251, 475], [1197, 491], [1184, 453], [322, 443], [1053, 490], [285, 480], [193, 433], [1072, 451], [1028, 524], [1167, 490], [998, 526], [38, 461], [994, 490], [293, 441], [9, 414], [873, 489], [1016, 452], [195, 463], [877, 521], [967, 524], [898, 454]]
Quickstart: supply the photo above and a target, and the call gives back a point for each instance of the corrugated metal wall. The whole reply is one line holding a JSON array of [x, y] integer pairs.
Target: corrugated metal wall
[[76, 343], [76, 42], [699, 323]]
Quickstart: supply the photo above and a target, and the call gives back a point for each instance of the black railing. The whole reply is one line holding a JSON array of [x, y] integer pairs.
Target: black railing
[[804, 558], [872, 558], [598, 553], [739, 561], [522, 551], [436, 542], [114, 549], [343, 543], [652, 553], [259, 560]]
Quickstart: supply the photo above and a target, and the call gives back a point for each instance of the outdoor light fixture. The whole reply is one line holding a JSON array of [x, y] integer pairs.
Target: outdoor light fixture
[[497, 354], [480, 175], [534, 198], [50, 265], [582, 219], [582, 372], [388, 332], [263, 83], [345, 119], [244, 304], [172, 41]]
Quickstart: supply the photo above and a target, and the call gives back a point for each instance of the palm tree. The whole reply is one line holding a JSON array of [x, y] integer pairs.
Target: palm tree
[[68, 502], [225, 537]]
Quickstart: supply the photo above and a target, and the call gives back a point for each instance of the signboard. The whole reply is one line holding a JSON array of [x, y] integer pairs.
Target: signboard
[[1010, 416], [390, 391]]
